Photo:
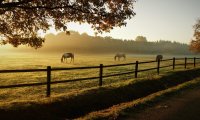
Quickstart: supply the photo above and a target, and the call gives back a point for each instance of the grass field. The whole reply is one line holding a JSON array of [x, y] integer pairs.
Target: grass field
[[34, 61]]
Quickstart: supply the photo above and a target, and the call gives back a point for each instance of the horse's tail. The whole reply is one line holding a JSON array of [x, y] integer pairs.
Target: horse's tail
[[124, 57], [157, 58], [73, 57]]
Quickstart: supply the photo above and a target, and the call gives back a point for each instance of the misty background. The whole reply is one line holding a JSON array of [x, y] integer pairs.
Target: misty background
[[84, 43]]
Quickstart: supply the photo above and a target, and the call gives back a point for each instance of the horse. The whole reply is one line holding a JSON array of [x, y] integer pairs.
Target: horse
[[159, 57], [67, 55], [119, 55]]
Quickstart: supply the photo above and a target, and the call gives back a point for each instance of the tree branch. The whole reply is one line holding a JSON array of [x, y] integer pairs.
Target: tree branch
[[19, 5], [1, 1], [13, 4], [49, 8]]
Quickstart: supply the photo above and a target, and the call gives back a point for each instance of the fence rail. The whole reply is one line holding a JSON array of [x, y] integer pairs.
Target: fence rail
[[135, 71]]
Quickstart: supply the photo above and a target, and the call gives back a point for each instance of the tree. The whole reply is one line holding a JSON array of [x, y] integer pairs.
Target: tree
[[141, 39], [195, 43], [20, 20]]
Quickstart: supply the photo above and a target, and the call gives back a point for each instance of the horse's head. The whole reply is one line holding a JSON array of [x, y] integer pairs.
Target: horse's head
[[62, 59], [115, 57]]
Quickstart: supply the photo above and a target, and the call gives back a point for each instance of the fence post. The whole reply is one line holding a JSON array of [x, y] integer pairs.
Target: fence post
[[136, 69], [185, 62], [174, 62], [194, 61], [48, 81], [100, 74], [158, 67]]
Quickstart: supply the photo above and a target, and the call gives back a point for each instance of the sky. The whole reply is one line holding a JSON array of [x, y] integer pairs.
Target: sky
[[156, 20], [162, 19]]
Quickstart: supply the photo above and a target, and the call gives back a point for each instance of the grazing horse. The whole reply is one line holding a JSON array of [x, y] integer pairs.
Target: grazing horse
[[119, 55], [159, 57], [67, 55]]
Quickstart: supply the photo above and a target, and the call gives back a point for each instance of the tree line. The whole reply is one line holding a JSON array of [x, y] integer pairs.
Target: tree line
[[83, 43]]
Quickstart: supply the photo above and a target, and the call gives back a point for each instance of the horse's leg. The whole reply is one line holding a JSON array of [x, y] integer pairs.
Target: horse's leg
[[71, 60]]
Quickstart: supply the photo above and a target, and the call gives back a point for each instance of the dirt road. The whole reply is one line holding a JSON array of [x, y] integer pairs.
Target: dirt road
[[183, 106]]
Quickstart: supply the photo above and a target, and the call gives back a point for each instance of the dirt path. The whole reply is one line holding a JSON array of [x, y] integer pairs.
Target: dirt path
[[184, 106]]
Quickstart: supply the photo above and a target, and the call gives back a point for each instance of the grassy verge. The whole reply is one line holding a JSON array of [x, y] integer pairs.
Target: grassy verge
[[83, 102], [122, 109]]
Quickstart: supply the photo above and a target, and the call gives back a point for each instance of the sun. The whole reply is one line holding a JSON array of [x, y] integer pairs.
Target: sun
[[81, 28]]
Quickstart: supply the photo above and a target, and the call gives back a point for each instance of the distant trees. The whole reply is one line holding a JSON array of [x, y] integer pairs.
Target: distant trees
[[83, 43], [141, 39], [20, 20], [195, 43]]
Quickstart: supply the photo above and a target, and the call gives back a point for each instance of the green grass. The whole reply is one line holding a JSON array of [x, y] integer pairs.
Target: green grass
[[82, 102], [35, 61]]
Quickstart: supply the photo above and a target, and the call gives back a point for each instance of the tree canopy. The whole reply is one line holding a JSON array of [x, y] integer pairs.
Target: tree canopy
[[141, 39], [195, 43], [20, 20]]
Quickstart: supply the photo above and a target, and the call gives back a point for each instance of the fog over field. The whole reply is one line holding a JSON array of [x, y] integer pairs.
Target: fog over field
[[84, 44]]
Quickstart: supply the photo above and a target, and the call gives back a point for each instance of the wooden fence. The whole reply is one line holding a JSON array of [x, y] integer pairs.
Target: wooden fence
[[135, 71]]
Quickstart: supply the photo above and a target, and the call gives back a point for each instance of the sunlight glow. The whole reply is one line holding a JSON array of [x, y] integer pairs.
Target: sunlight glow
[[81, 28]]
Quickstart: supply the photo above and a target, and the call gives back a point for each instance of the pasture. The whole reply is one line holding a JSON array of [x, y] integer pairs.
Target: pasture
[[36, 61]]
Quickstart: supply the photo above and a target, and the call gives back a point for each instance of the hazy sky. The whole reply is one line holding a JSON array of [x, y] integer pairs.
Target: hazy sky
[[157, 19]]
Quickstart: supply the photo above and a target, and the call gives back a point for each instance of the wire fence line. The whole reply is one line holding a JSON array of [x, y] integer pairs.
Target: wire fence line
[[101, 67]]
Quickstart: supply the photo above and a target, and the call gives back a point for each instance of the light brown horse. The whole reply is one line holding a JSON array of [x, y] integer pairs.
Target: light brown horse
[[67, 55], [120, 55]]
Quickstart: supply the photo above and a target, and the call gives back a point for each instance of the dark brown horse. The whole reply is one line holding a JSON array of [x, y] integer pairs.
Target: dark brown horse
[[159, 57], [67, 55]]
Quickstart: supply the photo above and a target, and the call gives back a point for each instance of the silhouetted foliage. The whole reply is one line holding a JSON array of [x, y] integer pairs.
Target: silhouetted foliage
[[195, 43], [20, 20], [141, 39], [83, 43]]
